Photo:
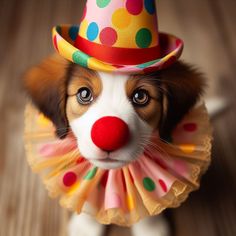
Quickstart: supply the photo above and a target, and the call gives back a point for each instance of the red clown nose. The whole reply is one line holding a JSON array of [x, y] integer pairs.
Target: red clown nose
[[110, 133]]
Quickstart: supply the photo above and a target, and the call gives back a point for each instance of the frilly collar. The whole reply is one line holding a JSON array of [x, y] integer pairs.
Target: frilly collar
[[161, 177]]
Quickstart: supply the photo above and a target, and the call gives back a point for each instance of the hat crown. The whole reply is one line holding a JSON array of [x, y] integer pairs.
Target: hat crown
[[120, 23], [118, 36]]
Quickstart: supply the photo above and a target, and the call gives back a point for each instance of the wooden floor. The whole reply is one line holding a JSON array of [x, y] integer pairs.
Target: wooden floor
[[208, 29]]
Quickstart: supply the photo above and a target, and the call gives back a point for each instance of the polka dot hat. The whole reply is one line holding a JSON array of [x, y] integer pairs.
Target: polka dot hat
[[118, 36], [160, 178]]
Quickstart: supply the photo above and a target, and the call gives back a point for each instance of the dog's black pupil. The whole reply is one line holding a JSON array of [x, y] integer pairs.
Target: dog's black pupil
[[84, 96], [141, 97]]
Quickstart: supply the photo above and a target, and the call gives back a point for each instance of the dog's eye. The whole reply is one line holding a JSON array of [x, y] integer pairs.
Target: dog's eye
[[140, 97], [84, 96]]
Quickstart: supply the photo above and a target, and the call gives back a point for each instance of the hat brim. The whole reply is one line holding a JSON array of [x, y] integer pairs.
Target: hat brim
[[64, 37]]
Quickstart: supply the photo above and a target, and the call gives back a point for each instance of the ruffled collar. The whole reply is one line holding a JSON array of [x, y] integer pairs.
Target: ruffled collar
[[161, 177]]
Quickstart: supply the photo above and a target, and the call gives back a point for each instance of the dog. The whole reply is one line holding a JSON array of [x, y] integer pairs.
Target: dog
[[90, 103]]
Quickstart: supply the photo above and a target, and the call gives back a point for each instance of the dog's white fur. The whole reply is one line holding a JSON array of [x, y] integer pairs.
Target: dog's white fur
[[113, 101], [84, 225]]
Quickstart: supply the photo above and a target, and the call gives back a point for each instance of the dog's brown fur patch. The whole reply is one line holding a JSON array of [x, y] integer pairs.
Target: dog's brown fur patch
[[81, 77], [46, 84], [150, 113], [184, 86]]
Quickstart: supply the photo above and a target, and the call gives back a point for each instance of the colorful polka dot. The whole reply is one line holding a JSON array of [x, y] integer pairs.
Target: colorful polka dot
[[190, 127], [92, 31], [108, 36], [143, 38], [163, 185], [121, 18], [150, 6], [69, 179], [187, 148], [130, 202], [148, 184], [91, 174], [73, 32], [80, 58], [103, 3], [134, 7]]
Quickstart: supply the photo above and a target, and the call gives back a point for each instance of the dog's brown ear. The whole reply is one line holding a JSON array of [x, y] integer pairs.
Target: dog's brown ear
[[46, 85], [184, 85]]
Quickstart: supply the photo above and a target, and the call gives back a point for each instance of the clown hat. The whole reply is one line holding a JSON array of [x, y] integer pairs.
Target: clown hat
[[118, 36]]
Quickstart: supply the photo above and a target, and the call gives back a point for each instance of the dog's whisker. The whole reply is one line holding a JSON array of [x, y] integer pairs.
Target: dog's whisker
[[149, 143], [150, 136]]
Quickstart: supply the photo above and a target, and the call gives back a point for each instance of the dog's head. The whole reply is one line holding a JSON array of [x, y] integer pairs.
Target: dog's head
[[113, 116]]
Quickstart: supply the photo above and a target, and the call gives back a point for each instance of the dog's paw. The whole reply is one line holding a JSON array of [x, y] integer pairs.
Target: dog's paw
[[84, 225], [151, 226]]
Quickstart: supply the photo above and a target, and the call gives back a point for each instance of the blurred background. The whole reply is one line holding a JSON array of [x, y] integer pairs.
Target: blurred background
[[208, 29]]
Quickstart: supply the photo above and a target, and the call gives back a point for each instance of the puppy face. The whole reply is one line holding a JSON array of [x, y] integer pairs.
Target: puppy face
[[112, 115], [94, 96]]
